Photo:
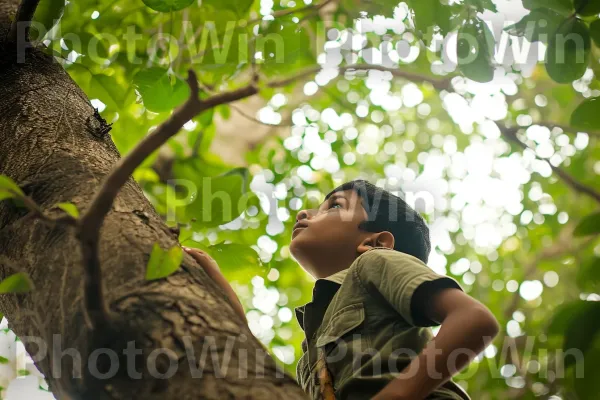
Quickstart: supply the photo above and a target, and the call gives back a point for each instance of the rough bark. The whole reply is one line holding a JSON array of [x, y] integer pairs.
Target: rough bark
[[51, 145]]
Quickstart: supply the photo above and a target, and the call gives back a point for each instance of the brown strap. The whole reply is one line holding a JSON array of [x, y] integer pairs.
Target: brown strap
[[325, 381]]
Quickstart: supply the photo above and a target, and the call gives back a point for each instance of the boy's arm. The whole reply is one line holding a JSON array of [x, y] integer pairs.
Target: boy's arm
[[212, 269], [467, 329]]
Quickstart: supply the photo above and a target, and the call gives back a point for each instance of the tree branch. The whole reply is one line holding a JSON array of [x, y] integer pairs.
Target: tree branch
[[511, 135], [439, 84], [102, 202], [24, 16], [91, 221], [258, 121], [36, 211]]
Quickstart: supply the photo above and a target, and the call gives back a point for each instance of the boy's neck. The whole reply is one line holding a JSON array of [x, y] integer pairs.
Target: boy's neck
[[330, 269]]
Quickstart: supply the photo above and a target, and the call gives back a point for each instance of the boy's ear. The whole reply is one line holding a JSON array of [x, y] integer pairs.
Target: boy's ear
[[379, 239]]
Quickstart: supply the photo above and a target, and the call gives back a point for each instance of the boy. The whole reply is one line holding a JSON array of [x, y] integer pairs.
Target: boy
[[367, 326]]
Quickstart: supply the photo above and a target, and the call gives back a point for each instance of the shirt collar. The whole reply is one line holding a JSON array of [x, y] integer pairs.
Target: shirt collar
[[338, 277], [324, 290]]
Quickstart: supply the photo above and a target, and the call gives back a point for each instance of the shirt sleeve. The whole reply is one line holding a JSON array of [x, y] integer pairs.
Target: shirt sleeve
[[406, 282]]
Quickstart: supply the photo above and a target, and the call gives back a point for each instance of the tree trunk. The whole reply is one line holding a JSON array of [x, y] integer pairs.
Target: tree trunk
[[51, 144]]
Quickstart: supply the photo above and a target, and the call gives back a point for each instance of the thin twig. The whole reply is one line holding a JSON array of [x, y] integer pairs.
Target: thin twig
[[210, 89], [258, 121], [24, 16], [39, 213], [440, 84], [511, 135]]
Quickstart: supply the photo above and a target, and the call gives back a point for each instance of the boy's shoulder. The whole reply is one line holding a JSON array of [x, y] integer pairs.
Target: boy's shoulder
[[378, 256]]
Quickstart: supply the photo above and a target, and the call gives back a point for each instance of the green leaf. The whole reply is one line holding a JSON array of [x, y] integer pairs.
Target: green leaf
[[587, 386], [160, 91], [564, 7], [564, 316], [48, 13], [583, 327], [206, 118], [588, 275], [163, 263], [568, 53], [103, 87], [17, 283], [69, 208], [5, 194], [475, 51], [382, 7], [40, 387], [92, 45], [23, 372], [234, 257], [239, 7], [225, 111], [205, 165], [4, 360], [587, 115], [107, 89], [9, 189], [285, 46], [595, 31], [587, 8], [218, 200], [145, 175], [538, 25], [168, 5], [223, 48], [590, 225], [431, 13], [482, 5]]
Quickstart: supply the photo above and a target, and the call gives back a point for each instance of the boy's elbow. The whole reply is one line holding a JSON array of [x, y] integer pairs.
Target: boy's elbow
[[487, 324]]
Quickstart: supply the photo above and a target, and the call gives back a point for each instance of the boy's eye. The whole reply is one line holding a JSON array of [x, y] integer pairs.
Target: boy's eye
[[335, 204]]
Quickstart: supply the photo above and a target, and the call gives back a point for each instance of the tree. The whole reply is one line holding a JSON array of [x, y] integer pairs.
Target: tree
[[89, 239], [40, 99]]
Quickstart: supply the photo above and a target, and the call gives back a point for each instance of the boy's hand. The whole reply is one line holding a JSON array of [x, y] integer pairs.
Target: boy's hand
[[212, 269], [206, 262], [468, 327]]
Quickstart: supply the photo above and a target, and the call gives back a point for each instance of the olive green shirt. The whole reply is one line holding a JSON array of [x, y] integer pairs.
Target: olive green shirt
[[367, 320]]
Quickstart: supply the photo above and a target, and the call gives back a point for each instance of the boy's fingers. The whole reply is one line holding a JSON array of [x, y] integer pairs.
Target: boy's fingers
[[201, 257], [195, 251], [197, 254]]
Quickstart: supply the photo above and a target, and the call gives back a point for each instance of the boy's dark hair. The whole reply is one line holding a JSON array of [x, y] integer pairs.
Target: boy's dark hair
[[388, 212]]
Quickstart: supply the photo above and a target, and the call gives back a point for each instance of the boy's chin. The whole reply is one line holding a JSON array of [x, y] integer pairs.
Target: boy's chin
[[300, 247]]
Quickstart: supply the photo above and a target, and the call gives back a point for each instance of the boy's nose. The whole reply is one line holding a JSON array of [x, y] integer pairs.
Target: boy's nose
[[304, 214]]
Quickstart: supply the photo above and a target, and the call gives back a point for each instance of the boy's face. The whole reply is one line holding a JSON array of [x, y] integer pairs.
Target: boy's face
[[328, 237]]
